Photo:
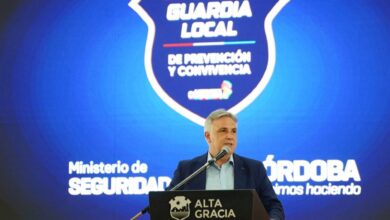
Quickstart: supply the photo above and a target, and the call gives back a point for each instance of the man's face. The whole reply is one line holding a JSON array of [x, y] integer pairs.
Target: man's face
[[223, 133]]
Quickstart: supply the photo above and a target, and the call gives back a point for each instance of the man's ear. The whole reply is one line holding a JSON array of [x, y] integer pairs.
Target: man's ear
[[207, 137]]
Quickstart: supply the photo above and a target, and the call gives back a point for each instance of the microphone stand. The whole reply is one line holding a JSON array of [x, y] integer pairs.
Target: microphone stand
[[201, 169]]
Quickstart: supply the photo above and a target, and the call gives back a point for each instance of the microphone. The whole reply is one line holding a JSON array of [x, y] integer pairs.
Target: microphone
[[225, 150]]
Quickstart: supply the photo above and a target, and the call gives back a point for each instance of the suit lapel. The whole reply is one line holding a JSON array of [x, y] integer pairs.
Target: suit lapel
[[199, 182], [240, 176]]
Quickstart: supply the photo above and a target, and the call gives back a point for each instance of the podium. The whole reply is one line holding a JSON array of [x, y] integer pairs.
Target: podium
[[210, 204]]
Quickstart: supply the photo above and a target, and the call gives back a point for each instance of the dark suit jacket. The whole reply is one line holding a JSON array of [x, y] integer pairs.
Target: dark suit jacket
[[248, 174]]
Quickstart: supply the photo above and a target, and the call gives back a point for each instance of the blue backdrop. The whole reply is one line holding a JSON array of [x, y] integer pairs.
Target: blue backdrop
[[73, 87]]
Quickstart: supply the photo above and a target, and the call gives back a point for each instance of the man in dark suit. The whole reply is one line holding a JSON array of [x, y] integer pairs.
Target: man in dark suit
[[230, 172]]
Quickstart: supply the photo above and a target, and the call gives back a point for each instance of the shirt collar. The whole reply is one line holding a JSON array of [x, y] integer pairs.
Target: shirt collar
[[231, 160]]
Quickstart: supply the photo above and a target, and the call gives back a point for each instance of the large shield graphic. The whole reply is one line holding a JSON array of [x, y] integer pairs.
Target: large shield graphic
[[203, 55]]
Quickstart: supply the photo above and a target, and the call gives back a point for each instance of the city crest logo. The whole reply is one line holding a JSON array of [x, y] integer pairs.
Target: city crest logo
[[180, 207], [202, 55]]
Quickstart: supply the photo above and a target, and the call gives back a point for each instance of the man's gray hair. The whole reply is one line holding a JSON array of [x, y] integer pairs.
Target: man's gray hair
[[219, 113]]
